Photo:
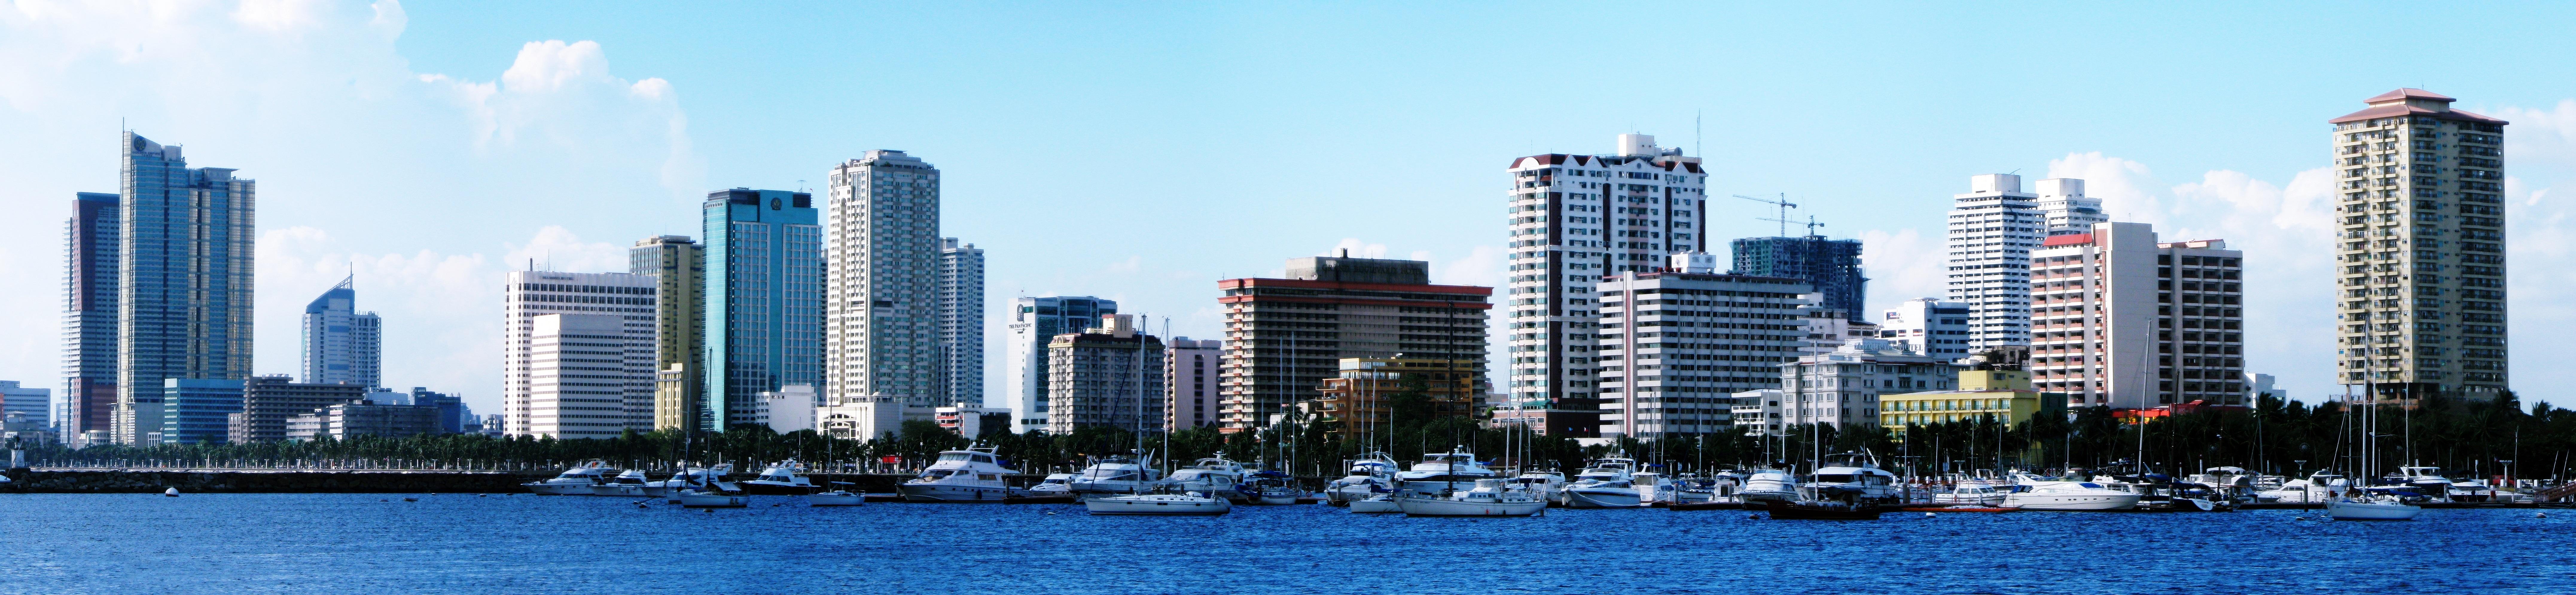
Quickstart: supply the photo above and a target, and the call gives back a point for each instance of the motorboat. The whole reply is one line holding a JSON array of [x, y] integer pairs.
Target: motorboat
[[1606, 483], [2427, 481], [971, 475], [1695, 489], [1825, 510], [575, 481], [2316, 489], [1371, 475], [1184, 504], [1379, 504], [1270, 488], [2038, 493], [836, 498], [2367, 506], [784, 478], [713, 498], [1770, 485], [1652, 487], [1489, 497], [1856, 474], [692, 478], [1547, 485], [1212, 475], [1055, 484], [629, 484], [1117, 474], [1437, 470], [2472, 490], [1974, 494]]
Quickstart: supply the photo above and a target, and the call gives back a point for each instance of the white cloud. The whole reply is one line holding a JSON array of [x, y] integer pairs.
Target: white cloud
[[1902, 265], [1355, 248]]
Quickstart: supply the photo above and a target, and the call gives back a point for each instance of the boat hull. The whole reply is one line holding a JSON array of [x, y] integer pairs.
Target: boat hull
[[919, 492], [2345, 510], [832, 499], [1151, 506], [558, 489], [2088, 502], [1375, 506], [1269, 500], [769, 488], [1823, 512], [1431, 506], [1585, 498], [627, 490], [706, 500]]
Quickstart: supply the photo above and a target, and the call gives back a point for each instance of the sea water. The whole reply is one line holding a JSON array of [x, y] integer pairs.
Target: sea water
[[515, 543]]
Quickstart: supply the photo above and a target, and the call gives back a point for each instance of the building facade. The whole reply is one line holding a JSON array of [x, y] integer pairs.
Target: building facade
[[1927, 326], [1035, 321], [1574, 219], [184, 266], [529, 295], [961, 324], [341, 344], [1110, 376], [1842, 389], [2064, 209], [267, 401], [1283, 336], [1356, 403], [588, 377], [1993, 228], [2419, 248], [342, 421], [1190, 388], [195, 410], [880, 335], [90, 255], [1677, 344], [764, 300], [2121, 320], [37, 404], [1985, 393], [678, 266], [1831, 266]]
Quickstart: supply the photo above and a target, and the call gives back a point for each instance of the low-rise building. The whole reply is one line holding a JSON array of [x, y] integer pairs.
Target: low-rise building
[[1190, 389], [365, 418], [788, 409], [1843, 388], [1756, 412], [1986, 391], [1355, 401], [973, 421], [267, 401], [861, 417], [36, 403]]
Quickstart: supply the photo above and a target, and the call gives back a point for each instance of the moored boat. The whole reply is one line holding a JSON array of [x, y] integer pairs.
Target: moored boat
[[836, 498], [1489, 497], [2038, 493], [971, 475], [630, 484], [785, 478], [575, 481], [1158, 505]]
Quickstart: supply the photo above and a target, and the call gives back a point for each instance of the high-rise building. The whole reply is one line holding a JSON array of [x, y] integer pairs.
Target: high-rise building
[[961, 324], [678, 266], [183, 307], [2120, 320], [1927, 326], [2064, 208], [1285, 335], [1106, 376], [1035, 321], [1677, 343], [90, 249], [267, 402], [1573, 220], [1842, 388], [341, 344], [527, 295], [1993, 228], [882, 294], [764, 295], [2419, 248], [1831, 266], [1189, 383], [36, 403], [587, 377]]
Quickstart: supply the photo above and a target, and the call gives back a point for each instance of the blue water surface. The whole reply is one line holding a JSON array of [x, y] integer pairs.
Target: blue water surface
[[459, 543]]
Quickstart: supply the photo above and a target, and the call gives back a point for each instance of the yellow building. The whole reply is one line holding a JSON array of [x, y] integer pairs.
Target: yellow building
[[2002, 393]]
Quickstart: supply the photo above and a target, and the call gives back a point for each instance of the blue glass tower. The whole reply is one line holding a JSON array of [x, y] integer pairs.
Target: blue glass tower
[[183, 305], [764, 300]]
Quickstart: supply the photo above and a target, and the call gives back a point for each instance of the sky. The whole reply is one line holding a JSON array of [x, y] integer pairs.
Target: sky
[[1141, 152]]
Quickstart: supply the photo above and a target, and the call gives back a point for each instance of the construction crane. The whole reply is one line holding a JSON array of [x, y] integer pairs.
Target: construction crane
[[1784, 225], [1784, 205]]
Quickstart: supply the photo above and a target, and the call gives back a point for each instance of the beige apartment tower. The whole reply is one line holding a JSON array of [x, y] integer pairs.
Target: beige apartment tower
[[678, 267], [2419, 248], [2123, 321]]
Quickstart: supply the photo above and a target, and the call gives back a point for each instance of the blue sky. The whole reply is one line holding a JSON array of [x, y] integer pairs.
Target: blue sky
[[1143, 151]]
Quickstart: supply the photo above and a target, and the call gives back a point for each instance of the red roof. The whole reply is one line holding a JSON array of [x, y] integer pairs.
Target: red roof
[[2400, 109], [2072, 239], [2409, 93]]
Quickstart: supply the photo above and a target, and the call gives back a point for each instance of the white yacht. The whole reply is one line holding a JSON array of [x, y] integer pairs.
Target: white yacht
[[1971, 494], [1606, 483], [971, 475], [693, 477], [1113, 475], [1213, 475], [1055, 484], [629, 484], [1770, 485], [784, 478], [575, 481], [2367, 506], [715, 492], [2316, 489], [1371, 475], [2427, 481], [1489, 497], [1436, 471], [1158, 505], [1546, 485], [2041, 493], [1856, 474]]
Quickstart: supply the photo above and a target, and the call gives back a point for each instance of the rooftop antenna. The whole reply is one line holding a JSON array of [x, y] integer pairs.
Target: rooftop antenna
[[1783, 203], [1699, 144]]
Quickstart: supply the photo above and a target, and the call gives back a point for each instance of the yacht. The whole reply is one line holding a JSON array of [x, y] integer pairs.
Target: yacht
[[1055, 484], [1548, 486], [971, 475], [2316, 489], [1113, 475], [1213, 475], [1270, 488], [714, 493], [629, 484], [1489, 497], [2040, 493], [575, 481], [1436, 471], [1606, 483], [1971, 494], [784, 478], [1770, 485], [1652, 487], [2368, 505], [1185, 504], [2427, 481], [1857, 474], [693, 477], [2472, 490], [1370, 475]]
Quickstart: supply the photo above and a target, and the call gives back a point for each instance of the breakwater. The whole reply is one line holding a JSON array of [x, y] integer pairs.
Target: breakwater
[[368, 481]]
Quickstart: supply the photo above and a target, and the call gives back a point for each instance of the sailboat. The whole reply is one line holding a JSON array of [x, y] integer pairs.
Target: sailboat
[[2363, 504], [1137, 502]]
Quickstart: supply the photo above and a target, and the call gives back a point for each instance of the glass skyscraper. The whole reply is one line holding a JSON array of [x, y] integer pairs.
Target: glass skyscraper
[[89, 318], [341, 344], [764, 329], [183, 281]]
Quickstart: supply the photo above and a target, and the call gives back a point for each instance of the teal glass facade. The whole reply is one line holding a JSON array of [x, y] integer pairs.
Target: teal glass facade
[[183, 280], [197, 410], [764, 300]]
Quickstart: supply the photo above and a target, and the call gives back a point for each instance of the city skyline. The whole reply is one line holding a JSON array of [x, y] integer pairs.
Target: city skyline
[[441, 303]]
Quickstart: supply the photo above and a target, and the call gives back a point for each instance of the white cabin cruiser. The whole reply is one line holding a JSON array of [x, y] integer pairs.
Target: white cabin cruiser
[[2427, 481], [1546, 485], [2041, 493], [1436, 471], [1213, 475], [2366, 506], [714, 493], [2316, 489], [785, 478], [1113, 475], [1606, 483], [575, 481], [1971, 494], [836, 498], [1489, 497], [1158, 505], [1856, 474], [1371, 475], [1055, 484], [1770, 485], [694, 477], [629, 484], [971, 475]]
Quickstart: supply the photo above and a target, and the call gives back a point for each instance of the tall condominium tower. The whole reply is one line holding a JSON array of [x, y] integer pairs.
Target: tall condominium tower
[[1993, 228], [1035, 321], [1284, 336], [1678, 343], [764, 296], [90, 249], [2420, 248], [1105, 376], [341, 344], [527, 295], [961, 324], [2120, 320], [881, 335], [678, 267], [1189, 385], [1574, 219], [183, 307], [2065, 208], [1832, 266]]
